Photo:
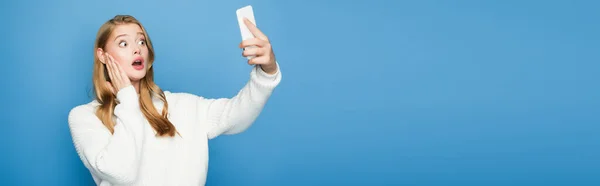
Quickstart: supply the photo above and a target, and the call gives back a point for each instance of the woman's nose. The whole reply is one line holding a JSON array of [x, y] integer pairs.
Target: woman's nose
[[136, 50]]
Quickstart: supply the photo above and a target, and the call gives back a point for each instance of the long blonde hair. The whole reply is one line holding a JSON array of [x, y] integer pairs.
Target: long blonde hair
[[148, 88]]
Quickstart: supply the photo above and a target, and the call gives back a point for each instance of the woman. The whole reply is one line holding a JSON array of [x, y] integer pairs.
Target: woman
[[133, 133]]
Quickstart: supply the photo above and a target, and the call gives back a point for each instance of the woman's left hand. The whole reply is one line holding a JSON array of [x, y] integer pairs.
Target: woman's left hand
[[262, 51]]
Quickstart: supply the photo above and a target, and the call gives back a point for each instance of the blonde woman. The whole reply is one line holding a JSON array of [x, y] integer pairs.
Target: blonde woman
[[134, 133]]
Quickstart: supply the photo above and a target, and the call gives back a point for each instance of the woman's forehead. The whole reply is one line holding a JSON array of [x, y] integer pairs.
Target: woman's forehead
[[127, 30]]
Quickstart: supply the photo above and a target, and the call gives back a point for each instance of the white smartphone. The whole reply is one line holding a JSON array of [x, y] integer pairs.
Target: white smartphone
[[246, 12]]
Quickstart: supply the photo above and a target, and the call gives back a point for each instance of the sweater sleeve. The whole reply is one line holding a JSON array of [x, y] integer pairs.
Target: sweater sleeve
[[114, 158], [236, 114]]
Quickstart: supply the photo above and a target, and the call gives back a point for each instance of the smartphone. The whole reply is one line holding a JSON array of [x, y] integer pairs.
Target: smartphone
[[245, 12]]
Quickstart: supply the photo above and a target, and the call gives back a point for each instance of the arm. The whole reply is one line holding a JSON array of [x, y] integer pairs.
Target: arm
[[231, 116], [234, 115], [115, 157]]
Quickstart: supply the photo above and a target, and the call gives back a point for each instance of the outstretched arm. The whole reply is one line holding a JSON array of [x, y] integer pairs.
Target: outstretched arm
[[231, 116], [234, 115]]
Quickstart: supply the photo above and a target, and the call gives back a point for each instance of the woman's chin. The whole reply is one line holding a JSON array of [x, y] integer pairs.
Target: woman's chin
[[136, 77]]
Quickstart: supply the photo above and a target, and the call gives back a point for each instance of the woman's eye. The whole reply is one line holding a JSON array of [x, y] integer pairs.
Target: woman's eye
[[123, 44], [142, 42]]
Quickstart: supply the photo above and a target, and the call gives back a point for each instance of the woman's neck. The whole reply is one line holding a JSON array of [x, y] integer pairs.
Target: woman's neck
[[136, 85]]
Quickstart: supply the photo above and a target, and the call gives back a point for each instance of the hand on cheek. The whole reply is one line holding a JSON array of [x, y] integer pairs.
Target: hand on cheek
[[117, 75]]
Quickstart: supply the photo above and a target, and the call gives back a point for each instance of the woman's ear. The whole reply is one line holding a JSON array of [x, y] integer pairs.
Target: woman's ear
[[100, 54]]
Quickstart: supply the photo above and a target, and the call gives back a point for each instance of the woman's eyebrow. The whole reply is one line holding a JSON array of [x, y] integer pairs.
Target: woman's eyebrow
[[120, 36]]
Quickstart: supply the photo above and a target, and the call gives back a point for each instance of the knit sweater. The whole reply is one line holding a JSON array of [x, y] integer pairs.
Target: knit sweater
[[134, 155]]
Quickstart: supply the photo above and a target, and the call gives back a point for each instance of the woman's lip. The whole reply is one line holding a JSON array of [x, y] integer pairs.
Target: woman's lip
[[138, 67]]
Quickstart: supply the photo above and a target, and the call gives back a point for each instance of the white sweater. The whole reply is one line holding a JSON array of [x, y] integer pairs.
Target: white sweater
[[134, 156]]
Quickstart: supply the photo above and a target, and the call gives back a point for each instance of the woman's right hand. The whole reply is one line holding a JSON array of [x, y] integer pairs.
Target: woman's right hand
[[117, 75]]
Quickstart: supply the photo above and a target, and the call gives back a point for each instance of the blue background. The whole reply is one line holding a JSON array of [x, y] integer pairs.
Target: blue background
[[373, 92]]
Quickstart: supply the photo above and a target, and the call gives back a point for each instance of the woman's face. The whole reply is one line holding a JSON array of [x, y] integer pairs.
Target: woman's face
[[127, 45]]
